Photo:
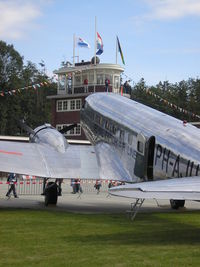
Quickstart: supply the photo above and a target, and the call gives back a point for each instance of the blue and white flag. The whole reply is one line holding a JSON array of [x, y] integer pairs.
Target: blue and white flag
[[82, 43]]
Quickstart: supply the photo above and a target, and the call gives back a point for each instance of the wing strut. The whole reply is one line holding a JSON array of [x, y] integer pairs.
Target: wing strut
[[135, 207]]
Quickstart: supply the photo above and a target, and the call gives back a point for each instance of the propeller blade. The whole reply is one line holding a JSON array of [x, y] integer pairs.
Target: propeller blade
[[67, 128], [25, 127]]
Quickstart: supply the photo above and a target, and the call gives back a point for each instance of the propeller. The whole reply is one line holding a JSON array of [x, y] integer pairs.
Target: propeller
[[67, 128], [25, 127], [29, 130]]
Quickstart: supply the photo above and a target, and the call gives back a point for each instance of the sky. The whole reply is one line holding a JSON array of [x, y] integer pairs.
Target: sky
[[160, 39]]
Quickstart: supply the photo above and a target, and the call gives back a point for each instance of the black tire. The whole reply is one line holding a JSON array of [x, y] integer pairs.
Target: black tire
[[176, 204], [51, 194]]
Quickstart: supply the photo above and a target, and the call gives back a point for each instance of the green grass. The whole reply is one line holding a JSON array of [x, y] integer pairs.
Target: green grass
[[45, 238]]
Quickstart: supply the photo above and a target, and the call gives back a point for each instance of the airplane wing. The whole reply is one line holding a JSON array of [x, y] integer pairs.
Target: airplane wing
[[187, 188], [41, 160], [79, 161]]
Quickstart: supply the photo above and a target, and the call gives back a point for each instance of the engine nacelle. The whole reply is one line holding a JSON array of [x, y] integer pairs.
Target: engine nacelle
[[47, 134]]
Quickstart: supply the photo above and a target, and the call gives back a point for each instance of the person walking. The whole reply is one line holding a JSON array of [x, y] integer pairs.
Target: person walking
[[12, 180]]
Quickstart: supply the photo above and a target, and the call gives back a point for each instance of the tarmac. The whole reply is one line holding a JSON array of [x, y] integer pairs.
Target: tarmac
[[88, 202]]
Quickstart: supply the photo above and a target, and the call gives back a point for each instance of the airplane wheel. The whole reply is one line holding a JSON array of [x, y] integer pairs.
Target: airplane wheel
[[175, 204], [51, 194]]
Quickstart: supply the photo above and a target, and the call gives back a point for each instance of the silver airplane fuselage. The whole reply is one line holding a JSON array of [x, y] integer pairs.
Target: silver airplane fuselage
[[150, 144]]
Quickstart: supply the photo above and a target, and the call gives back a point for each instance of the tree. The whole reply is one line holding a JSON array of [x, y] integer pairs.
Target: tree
[[11, 65], [29, 104], [184, 94]]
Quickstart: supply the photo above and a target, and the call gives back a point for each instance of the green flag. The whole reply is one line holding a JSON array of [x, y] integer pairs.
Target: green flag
[[120, 50]]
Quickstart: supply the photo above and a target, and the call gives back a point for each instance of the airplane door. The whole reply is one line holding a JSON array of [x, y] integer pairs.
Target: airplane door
[[150, 147], [140, 165], [144, 157]]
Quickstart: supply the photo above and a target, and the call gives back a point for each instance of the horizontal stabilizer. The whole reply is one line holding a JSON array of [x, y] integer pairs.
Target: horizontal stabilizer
[[187, 188]]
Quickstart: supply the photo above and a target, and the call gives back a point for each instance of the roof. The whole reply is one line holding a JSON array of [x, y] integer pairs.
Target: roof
[[81, 68]]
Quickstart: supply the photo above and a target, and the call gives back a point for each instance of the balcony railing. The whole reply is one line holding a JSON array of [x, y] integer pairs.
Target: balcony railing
[[85, 89]]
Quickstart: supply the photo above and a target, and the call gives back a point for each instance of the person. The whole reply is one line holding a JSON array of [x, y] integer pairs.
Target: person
[[107, 82], [86, 86], [78, 188], [12, 180], [127, 88], [44, 185], [98, 185], [110, 184], [73, 185], [59, 183]]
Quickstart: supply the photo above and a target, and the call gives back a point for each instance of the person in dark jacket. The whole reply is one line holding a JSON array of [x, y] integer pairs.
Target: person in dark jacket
[[107, 83], [97, 185], [12, 180]]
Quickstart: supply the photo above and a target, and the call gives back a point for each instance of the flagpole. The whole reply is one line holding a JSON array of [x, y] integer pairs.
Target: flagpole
[[95, 41], [74, 44], [116, 49]]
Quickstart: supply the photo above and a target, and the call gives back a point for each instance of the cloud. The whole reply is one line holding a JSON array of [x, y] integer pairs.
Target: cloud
[[171, 9], [17, 17]]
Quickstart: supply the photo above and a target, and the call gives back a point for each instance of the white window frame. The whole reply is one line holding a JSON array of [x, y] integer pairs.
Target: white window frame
[[59, 109], [72, 104], [68, 108], [65, 107], [76, 104]]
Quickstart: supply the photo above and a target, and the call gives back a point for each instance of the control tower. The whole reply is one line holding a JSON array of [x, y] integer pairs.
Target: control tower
[[75, 83]]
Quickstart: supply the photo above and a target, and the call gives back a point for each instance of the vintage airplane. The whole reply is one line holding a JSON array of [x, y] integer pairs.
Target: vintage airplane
[[143, 144], [130, 142]]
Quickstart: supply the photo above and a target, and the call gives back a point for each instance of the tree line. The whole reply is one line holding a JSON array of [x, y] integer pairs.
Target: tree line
[[30, 105], [183, 94]]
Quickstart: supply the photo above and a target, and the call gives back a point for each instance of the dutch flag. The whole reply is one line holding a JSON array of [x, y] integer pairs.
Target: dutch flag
[[99, 45]]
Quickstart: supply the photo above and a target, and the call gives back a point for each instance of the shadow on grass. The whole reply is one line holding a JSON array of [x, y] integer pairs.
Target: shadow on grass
[[148, 229], [79, 229]]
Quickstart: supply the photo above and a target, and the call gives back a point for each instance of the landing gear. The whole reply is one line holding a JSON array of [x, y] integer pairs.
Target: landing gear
[[176, 204], [51, 194]]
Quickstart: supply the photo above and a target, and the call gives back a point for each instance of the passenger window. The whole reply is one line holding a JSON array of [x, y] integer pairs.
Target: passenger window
[[121, 135], [114, 129], [130, 139], [140, 147], [101, 121], [97, 119], [107, 125]]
